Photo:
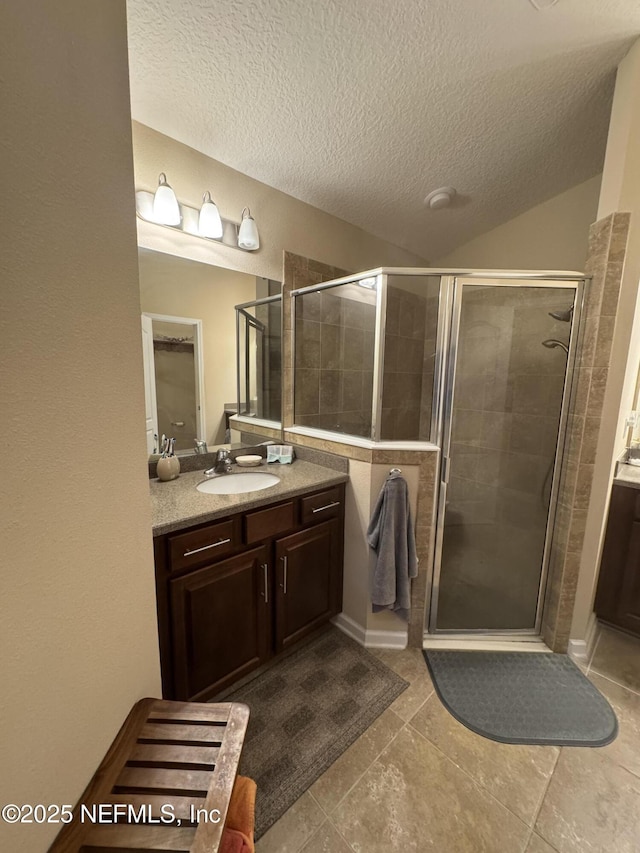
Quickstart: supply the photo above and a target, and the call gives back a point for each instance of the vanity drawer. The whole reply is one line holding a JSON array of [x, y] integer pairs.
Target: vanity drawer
[[323, 505], [265, 523], [204, 545]]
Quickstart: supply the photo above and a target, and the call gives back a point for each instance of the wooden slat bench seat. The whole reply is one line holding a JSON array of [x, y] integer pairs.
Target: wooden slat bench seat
[[178, 754]]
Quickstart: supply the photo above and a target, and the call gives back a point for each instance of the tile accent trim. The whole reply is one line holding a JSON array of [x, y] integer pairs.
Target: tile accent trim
[[605, 260]]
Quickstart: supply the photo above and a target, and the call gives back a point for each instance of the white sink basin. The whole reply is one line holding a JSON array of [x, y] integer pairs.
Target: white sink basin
[[238, 484]]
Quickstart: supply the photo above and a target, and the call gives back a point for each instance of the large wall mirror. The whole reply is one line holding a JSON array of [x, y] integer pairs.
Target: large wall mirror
[[191, 349]]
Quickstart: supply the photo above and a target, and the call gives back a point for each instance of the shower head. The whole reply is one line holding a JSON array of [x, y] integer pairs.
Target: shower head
[[563, 316], [552, 344]]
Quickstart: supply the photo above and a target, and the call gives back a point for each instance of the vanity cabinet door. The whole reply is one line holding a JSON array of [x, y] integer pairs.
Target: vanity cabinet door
[[618, 593], [220, 617], [308, 571]]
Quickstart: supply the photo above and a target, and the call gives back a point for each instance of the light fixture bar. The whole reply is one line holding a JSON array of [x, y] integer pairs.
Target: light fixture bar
[[190, 223]]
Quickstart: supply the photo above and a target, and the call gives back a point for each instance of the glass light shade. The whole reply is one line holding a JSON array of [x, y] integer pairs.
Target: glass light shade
[[166, 209], [209, 222], [248, 234]]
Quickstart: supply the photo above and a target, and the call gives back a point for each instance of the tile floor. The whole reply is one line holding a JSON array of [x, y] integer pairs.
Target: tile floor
[[417, 780]]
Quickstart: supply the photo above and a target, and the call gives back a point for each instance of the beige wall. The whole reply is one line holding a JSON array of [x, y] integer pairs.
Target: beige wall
[[79, 639], [552, 236], [173, 286], [283, 221], [620, 192]]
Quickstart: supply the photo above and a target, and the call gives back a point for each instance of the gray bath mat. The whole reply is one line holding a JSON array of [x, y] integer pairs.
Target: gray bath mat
[[522, 697], [305, 711]]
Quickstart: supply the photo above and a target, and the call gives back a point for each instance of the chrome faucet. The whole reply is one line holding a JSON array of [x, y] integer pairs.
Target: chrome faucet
[[223, 463]]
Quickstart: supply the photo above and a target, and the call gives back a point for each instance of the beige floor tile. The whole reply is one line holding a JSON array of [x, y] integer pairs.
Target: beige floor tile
[[294, 829], [539, 845], [617, 657], [326, 840], [625, 749], [414, 799], [410, 665], [410, 700], [592, 804], [516, 775], [336, 781]]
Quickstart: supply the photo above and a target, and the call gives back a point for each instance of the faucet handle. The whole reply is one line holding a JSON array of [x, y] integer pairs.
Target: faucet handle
[[222, 454]]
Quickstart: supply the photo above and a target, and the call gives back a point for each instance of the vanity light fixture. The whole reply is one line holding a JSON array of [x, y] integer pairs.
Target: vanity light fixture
[[166, 209], [163, 208], [209, 222], [248, 237]]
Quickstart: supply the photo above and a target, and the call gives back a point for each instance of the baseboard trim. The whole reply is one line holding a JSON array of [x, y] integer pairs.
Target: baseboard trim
[[581, 650], [350, 627], [370, 639]]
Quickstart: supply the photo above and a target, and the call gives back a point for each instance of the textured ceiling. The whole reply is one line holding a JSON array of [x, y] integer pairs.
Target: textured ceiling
[[362, 107]]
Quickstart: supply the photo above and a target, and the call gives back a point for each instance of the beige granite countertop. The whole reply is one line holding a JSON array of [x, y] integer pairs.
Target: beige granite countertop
[[177, 504], [628, 475]]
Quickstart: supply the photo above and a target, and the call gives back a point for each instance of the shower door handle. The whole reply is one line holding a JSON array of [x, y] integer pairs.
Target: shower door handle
[[446, 469]]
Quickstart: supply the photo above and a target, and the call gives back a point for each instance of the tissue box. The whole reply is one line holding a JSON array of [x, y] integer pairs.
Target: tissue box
[[280, 453]]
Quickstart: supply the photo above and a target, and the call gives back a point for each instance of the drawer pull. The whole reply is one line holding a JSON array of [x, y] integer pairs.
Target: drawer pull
[[327, 506], [265, 569], [284, 575], [206, 547]]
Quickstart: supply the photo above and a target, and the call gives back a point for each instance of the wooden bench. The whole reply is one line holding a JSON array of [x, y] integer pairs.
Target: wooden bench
[[182, 756]]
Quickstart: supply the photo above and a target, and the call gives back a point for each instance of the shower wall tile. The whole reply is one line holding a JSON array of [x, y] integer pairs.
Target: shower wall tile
[[330, 391], [352, 348], [604, 340], [330, 339], [607, 248], [331, 309], [589, 440], [308, 343], [299, 271], [597, 388], [583, 487], [408, 364], [425, 541], [307, 391], [612, 289]]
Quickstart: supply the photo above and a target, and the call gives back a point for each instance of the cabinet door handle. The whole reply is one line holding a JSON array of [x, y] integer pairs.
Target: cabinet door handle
[[327, 506], [284, 575], [265, 569], [206, 547]]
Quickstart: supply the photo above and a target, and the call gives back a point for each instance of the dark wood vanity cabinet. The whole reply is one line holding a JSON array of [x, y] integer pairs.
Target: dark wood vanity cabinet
[[237, 591], [308, 590], [618, 594]]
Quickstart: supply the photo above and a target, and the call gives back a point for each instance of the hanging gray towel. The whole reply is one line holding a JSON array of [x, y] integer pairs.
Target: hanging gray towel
[[390, 534]]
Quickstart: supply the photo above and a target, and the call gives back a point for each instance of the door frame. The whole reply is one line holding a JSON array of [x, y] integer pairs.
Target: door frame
[[451, 298], [198, 361]]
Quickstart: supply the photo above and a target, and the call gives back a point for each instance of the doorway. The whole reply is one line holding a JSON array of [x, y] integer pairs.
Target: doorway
[[173, 362], [506, 385]]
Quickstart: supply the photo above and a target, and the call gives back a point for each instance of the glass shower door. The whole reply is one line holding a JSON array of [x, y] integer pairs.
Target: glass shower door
[[509, 352]]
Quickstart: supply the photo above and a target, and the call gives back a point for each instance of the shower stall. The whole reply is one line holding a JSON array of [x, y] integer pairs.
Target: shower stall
[[475, 364]]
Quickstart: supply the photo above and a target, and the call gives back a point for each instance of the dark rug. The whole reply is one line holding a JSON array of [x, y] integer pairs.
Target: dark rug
[[522, 697], [305, 711]]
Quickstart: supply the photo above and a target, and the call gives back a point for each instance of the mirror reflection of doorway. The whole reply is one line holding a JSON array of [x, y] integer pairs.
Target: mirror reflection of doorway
[[177, 371]]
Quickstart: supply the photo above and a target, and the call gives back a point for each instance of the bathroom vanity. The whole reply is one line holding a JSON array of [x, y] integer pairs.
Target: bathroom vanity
[[241, 578], [618, 594]]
